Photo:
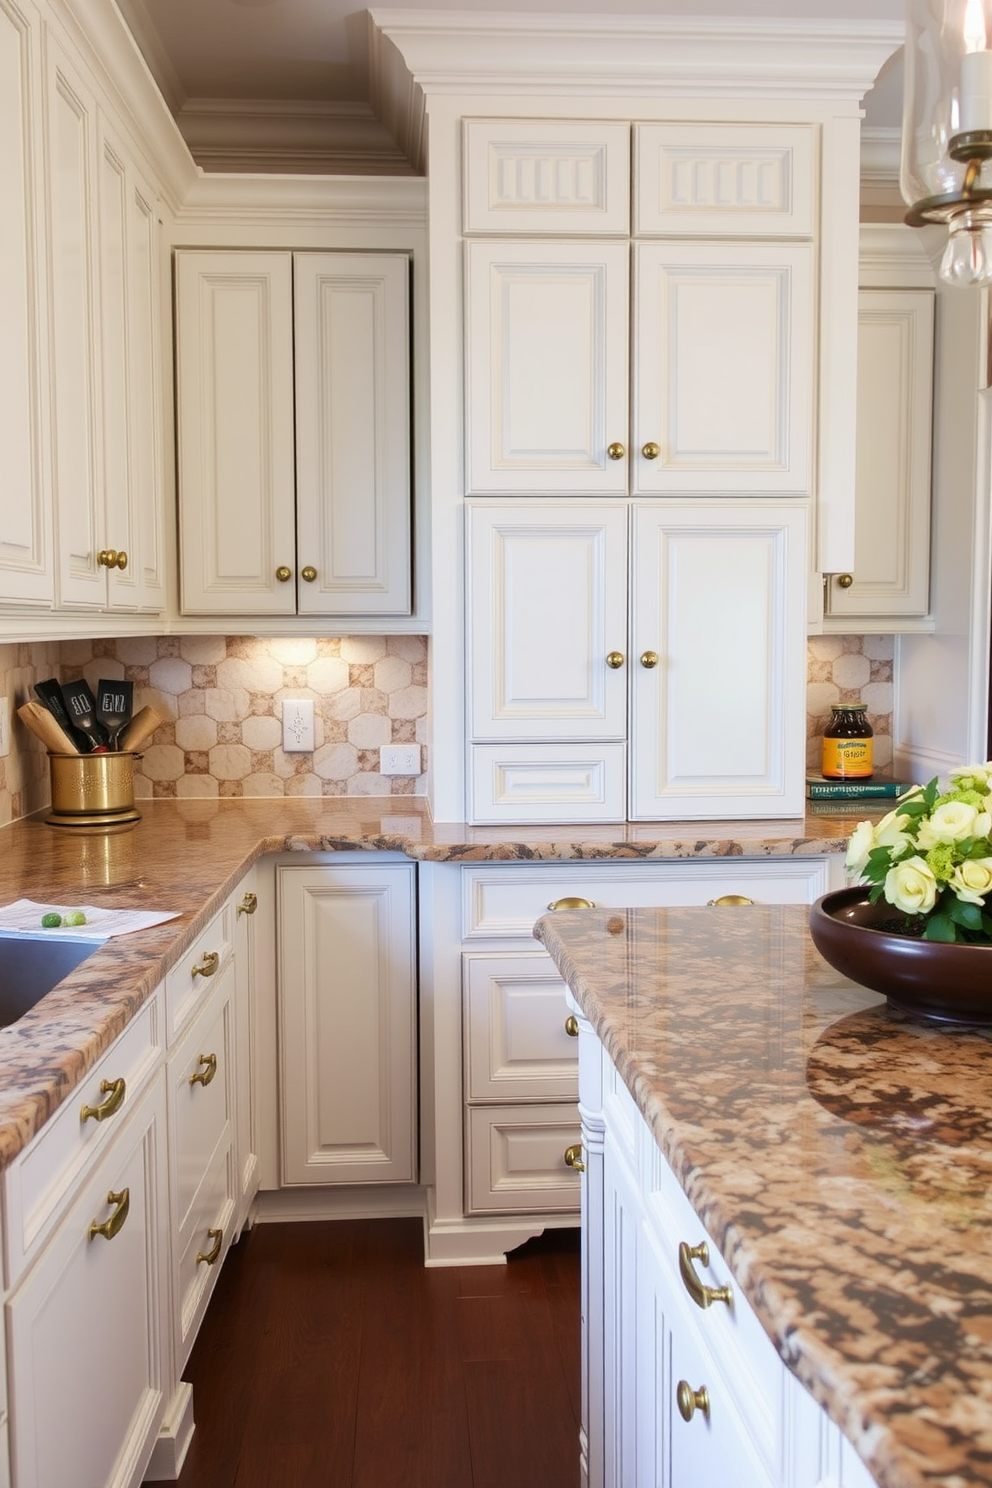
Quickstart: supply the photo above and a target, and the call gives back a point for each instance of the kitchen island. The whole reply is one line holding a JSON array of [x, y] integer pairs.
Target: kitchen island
[[837, 1153]]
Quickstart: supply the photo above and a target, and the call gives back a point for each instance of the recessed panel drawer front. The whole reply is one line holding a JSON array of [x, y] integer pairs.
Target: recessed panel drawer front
[[505, 902], [201, 1098], [517, 784], [516, 1160], [516, 1046], [205, 1240], [187, 984], [547, 177], [39, 1182]]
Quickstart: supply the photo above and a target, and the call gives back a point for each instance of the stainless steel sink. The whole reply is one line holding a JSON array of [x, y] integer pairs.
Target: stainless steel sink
[[31, 965]]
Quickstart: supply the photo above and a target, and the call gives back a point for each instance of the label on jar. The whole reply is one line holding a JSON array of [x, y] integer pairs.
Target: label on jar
[[847, 759]]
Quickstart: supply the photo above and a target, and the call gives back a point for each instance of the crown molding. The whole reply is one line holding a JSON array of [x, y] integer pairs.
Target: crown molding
[[302, 137], [215, 199], [880, 156]]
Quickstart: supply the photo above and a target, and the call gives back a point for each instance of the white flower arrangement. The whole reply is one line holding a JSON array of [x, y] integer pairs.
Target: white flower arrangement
[[931, 857]]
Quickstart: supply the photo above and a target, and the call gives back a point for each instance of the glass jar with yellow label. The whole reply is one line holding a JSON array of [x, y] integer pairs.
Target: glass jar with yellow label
[[847, 743]]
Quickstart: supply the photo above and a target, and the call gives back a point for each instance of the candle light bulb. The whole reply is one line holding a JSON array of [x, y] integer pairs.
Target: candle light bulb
[[975, 91], [973, 30]]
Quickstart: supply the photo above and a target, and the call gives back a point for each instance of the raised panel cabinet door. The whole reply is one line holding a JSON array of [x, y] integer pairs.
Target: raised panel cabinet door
[[26, 575], [723, 368], [85, 1331], [718, 660], [546, 368], [348, 1018], [145, 339], [247, 975], [352, 433], [892, 488], [234, 395], [547, 621]]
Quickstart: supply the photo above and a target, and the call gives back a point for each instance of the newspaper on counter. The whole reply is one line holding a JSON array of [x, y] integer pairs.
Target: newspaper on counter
[[24, 916]]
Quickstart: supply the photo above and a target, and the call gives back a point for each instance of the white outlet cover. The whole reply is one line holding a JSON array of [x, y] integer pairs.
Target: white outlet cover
[[297, 726], [399, 759]]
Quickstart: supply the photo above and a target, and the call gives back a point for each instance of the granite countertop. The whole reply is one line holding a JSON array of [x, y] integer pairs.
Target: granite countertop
[[188, 855], [838, 1152]]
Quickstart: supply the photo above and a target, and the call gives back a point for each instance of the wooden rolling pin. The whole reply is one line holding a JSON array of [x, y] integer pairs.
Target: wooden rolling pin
[[140, 729], [46, 727]]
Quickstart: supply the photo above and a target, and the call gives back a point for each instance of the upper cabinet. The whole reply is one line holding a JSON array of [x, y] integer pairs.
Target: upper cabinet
[[293, 395]]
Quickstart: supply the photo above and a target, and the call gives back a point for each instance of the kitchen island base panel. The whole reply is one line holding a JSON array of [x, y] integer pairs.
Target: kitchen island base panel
[[174, 1437]]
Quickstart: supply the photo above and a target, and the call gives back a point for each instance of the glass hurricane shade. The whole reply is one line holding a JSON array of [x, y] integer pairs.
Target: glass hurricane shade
[[946, 169]]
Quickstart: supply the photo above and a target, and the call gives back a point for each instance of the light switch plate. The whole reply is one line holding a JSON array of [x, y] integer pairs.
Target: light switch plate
[[399, 759], [297, 725]]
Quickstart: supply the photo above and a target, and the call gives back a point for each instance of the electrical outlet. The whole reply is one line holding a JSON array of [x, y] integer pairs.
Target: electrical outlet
[[297, 725], [399, 759], [4, 727]]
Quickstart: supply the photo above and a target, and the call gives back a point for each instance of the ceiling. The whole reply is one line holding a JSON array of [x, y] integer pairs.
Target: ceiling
[[284, 84]]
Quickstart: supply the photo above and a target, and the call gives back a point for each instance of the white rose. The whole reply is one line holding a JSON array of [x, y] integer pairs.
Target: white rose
[[890, 832], [952, 822], [983, 823], [976, 775], [972, 880], [911, 887], [859, 845]]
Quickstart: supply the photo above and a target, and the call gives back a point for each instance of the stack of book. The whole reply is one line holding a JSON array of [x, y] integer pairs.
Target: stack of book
[[841, 797]]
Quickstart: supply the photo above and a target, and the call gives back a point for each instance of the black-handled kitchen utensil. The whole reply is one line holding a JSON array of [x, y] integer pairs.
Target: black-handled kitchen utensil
[[81, 708], [114, 706], [50, 693]]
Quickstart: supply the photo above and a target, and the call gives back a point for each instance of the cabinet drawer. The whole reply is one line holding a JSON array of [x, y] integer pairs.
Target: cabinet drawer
[[515, 1162], [535, 783], [546, 176], [201, 1099], [203, 1244], [516, 1047], [39, 1183], [504, 902], [189, 980]]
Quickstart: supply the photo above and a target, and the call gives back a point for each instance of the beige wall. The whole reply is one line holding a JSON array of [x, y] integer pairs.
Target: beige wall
[[220, 698]]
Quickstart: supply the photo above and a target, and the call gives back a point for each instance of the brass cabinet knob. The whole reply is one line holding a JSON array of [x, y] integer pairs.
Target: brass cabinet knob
[[206, 1071], [614, 660], [115, 1091], [248, 905], [573, 1157], [615, 451], [207, 966], [690, 1400], [726, 899], [113, 1226], [701, 1294], [122, 560], [649, 659], [309, 573], [572, 1026], [844, 581], [209, 1256], [650, 451], [570, 902], [107, 558], [284, 574]]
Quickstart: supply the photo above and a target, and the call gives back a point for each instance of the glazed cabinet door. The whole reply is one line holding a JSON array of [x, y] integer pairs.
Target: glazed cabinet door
[[723, 361], [718, 660], [352, 433], [84, 1325], [348, 1019], [26, 575], [546, 368], [234, 389]]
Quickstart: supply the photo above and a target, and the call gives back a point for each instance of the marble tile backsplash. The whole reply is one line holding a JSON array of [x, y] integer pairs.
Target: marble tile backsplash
[[221, 702]]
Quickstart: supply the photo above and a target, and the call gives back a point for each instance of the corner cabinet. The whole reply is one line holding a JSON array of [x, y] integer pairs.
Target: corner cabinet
[[293, 399]]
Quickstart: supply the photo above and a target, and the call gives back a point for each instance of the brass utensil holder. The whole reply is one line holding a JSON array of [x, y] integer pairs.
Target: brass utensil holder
[[94, 791]]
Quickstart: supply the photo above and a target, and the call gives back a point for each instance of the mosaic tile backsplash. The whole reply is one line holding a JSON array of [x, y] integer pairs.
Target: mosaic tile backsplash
[[221, 702]]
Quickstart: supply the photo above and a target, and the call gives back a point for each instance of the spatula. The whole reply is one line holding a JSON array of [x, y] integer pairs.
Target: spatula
[[50, 693], [114, 705], [81, 708]]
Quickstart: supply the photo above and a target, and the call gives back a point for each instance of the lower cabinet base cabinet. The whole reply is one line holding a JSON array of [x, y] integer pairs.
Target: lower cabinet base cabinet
[[87, 1325]]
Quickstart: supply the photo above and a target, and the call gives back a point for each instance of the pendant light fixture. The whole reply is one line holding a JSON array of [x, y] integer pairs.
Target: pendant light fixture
[[946, 171]]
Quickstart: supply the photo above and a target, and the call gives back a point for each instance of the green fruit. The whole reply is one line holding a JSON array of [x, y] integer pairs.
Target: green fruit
[[74, 917], [51, 921]]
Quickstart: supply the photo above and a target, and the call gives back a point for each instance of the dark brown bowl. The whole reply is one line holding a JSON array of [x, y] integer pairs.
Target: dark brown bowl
[[926, 977]]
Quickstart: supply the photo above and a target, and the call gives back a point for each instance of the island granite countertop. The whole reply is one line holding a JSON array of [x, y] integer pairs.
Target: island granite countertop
[[838, 1152], [187, 855]]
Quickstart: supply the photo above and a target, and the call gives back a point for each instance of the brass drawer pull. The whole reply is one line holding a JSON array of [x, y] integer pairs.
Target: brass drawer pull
[[249, 904], [727, 899], [570, 902], [206, 967], [572, 1026], [115, 1091], [573, 1157], [209, 1256], [113, 1225], [205, 1075], [701, 1294], [690, 1400]]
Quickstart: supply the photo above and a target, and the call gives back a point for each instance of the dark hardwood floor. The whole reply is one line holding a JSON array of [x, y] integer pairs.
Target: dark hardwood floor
[[330, 1356]]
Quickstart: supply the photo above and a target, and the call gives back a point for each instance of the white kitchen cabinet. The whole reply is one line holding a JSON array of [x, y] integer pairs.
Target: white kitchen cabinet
[[348, 1023], [704, 718], [85, 1324], [248, 982], [26, 552], [294, 433]]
